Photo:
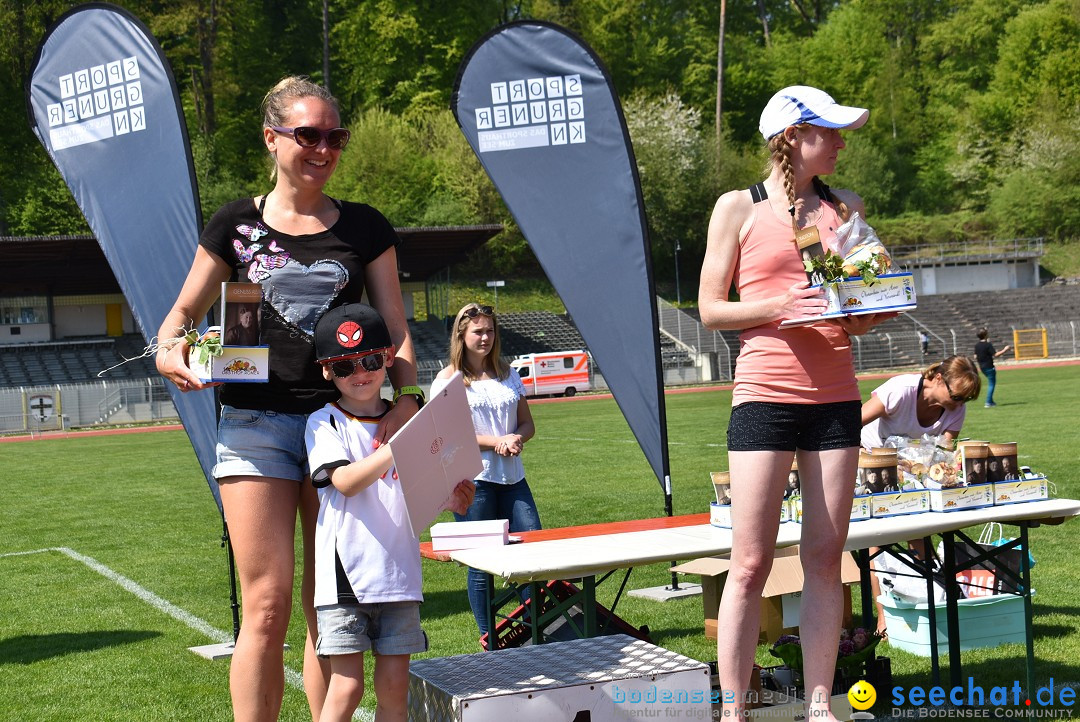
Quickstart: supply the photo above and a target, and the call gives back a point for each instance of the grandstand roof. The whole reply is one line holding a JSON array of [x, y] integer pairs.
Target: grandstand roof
[[75, 264]]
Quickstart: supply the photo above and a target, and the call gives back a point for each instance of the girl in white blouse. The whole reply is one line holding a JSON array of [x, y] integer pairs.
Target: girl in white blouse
[[503, 424]]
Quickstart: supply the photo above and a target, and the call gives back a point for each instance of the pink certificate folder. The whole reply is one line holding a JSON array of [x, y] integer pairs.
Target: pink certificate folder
[[434, 451]]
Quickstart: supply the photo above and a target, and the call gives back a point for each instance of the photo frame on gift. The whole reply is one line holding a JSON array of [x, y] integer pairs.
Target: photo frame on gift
[[1003, 468], [722, 486], [794, 486], [810, 247], [869, 481], [241, 313]]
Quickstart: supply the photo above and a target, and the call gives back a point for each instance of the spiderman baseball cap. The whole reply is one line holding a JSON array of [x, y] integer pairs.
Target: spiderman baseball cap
[[349, 331], [803, 104]]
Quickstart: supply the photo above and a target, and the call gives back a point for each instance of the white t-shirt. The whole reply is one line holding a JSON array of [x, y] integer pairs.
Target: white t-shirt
[[369, 531], [494, 412], [899, 396]]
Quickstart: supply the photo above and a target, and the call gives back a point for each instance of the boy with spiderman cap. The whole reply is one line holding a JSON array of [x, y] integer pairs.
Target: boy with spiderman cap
[[367, 562]]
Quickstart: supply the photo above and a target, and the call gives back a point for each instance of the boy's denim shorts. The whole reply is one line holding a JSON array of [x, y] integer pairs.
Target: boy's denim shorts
[[385, 628], [261, 443]]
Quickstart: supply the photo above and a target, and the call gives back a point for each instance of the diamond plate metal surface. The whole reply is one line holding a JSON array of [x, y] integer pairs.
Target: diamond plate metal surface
[[440, 686]]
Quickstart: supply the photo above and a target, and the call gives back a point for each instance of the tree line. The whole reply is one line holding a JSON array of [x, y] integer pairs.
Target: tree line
[[972, 131]]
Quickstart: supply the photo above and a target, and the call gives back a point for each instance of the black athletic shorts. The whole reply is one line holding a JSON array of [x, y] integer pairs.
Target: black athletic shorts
[[765, 426]]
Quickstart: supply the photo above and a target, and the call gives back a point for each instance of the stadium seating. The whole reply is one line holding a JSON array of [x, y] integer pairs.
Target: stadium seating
[[73, 361], [950, 319]]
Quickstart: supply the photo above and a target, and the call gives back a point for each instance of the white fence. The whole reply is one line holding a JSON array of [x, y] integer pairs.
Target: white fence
[[30, 409]]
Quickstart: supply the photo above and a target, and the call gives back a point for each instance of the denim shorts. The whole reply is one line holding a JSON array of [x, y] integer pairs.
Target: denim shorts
[[261, 443], [385, 628], [764, 426]]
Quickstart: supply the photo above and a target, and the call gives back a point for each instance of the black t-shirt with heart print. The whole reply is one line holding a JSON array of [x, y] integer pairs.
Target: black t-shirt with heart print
[[302, 277]]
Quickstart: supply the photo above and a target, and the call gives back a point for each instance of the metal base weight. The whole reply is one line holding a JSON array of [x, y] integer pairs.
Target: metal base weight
[[663, 594], [217, 651]]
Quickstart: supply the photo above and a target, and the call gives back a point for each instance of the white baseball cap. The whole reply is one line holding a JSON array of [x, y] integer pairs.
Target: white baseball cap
[[803, 104]]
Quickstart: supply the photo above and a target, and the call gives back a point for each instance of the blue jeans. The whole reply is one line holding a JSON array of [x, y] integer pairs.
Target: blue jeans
[[991, 381], [497, 501]]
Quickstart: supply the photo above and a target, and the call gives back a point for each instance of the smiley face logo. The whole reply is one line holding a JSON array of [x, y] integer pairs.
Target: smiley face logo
[[862, 695]]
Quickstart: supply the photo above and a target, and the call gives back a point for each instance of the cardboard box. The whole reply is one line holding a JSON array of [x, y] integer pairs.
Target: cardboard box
[[1016, 491], [891, 292], [781, 598], [450, 535], [912, 501], [962, 497], [236, 364]]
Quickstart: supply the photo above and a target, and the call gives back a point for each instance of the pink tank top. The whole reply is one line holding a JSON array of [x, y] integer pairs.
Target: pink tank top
[[801, 365]]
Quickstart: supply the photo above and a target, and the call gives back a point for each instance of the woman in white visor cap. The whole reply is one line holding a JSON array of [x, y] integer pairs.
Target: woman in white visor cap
[[795, 392]]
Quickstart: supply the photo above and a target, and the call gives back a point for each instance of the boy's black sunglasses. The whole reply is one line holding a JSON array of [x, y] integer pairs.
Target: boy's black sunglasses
[[479, 311], [345, 368], [308, 137]]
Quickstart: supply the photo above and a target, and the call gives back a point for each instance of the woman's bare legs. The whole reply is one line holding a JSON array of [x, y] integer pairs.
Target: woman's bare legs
[[316, 671], [758, 479], [261, 514], [828, 484]]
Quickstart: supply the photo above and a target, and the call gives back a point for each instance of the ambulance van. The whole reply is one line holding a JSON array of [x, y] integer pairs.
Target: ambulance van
[[557, 372]]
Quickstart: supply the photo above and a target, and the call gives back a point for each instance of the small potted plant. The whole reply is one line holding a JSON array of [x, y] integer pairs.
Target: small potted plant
[[855, 648]]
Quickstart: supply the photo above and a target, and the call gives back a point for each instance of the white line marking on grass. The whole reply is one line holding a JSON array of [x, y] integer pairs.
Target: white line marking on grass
[[294, 678]]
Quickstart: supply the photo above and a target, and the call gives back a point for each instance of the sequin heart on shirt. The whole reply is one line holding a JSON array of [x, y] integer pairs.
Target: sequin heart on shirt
[[301, 294]]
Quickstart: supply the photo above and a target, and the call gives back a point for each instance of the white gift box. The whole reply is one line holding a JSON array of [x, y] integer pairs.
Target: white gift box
[[891, 292], [962, 497], [236, 364], [900, 502], [450, 535], [1018, 490]]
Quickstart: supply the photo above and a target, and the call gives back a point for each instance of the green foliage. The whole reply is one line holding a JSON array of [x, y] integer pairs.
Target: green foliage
[[1040, 192], [382, 167], [916, 228], [676, 175], [973, 104]]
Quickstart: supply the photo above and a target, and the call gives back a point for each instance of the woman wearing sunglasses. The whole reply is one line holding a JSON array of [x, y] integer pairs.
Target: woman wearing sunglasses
[[914, 405], [503, 424], [311, 253]]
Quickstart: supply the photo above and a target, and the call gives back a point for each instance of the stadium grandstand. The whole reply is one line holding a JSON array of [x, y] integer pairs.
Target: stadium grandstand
[[69, 337]]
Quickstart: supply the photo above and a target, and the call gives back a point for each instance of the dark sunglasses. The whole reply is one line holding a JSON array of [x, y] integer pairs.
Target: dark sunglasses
[[958, 399], [479, 311], [308, 137], [345, 368]]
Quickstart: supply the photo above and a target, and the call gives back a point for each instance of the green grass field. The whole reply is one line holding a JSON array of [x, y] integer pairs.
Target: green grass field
[[101, 631]]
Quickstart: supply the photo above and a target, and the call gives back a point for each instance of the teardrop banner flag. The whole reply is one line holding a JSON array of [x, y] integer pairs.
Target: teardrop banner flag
[[540, 111], [103, 102]]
